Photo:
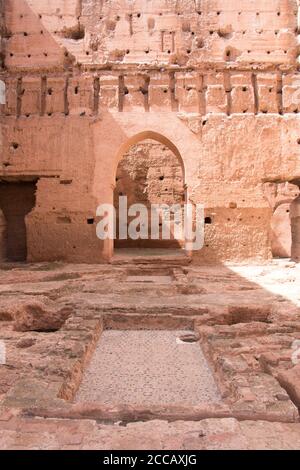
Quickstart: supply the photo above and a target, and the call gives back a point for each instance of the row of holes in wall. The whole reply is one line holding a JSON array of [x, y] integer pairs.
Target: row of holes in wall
[[91, 221], [77, 35], [15, 146], [219, 13], [79, 32], [228, 53], [200, 44], [169, 89], [67, 220]]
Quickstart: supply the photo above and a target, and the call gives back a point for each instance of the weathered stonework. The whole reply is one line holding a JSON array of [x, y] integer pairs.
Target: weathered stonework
[[217, 85], [169, 102], [52, 317]]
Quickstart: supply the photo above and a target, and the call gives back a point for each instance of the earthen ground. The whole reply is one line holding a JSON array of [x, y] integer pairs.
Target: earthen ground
[[247, 319], [172, 102]]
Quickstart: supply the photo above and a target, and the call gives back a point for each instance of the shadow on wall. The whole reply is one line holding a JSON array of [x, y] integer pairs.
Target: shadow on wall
[[16, 201], [36, 46]]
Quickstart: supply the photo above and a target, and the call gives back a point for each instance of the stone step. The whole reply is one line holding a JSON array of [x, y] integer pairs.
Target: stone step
[[155, 257]]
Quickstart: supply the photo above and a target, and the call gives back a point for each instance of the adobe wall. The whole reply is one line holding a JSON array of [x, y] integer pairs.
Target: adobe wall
[[214, 81]]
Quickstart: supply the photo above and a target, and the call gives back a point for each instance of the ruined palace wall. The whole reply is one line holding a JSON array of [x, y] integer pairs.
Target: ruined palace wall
[[171, 31], [216, 81], [225, 160]]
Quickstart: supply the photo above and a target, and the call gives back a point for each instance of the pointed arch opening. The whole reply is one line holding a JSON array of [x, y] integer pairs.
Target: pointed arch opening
[[150, 172], [150, 135]]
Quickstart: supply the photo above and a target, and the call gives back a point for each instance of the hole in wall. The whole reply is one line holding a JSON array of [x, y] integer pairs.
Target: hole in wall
[[76, 33], [63, 219]]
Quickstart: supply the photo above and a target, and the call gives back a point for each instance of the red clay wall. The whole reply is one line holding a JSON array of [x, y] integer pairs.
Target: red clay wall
[[216, 80]]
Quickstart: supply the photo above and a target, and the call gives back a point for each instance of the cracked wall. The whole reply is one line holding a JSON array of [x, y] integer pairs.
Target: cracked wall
[[218, 81]]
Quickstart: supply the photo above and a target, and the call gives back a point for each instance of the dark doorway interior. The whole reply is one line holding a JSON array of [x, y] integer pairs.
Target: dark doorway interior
[[16, 201]]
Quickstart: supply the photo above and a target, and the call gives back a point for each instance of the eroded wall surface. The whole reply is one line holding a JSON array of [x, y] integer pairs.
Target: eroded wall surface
[[215, 81], [152, 175]]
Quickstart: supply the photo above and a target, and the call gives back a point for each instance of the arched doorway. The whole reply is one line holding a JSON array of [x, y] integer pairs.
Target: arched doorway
[[281, 233], [295, 225], [150, 172]]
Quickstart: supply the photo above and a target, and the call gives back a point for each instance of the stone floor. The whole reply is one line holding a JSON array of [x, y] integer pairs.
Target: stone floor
[[55, 317], [18, 433], [147, 368]]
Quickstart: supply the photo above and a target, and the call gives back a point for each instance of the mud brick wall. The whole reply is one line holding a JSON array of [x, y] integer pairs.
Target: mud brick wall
[[215, 82]]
